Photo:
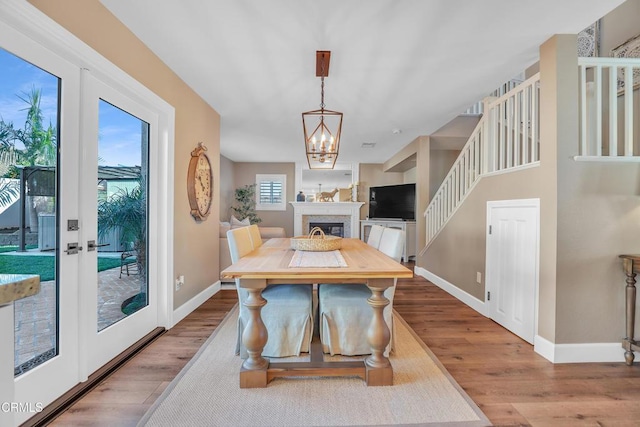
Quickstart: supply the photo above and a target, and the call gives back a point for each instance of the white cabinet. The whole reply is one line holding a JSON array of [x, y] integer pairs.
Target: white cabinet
[[409, 228]]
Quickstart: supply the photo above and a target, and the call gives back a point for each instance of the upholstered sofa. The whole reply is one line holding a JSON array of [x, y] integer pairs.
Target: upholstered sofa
[[225, 257]]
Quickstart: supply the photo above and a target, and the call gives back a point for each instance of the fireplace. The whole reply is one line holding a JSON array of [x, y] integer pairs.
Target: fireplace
[[329, 228], [345, 213]]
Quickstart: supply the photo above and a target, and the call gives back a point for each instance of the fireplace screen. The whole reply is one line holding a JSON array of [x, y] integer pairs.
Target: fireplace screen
[[330, 228]]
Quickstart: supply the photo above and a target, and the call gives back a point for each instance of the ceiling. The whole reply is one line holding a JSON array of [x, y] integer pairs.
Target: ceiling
[[399, 68]]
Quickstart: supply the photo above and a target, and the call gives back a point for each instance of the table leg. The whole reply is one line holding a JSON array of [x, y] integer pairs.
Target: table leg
[[630, 300], [254, 337], [378, 367]]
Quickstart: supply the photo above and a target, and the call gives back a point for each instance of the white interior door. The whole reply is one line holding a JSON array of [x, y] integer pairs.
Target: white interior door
[[512, 264]]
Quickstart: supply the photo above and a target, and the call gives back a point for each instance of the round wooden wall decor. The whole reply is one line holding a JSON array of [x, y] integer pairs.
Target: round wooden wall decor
[[200, 183]]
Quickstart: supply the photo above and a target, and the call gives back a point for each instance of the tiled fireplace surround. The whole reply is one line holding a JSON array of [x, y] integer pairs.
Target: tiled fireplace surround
[[347, 213]]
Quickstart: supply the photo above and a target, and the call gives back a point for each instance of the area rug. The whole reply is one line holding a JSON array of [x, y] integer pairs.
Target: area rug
[[206, 392]]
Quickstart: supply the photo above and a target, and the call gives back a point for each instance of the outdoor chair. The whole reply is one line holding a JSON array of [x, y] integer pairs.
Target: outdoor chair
[[345, 315], [128, 261], [288, 315]]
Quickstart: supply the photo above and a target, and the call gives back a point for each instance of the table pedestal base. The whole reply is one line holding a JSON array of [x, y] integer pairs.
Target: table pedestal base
[[253, 378], [257, 372], [379, 376]]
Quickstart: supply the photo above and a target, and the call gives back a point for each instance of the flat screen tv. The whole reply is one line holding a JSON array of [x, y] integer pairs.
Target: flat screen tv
[[393, 202]]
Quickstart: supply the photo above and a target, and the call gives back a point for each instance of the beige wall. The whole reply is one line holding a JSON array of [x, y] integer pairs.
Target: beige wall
[[619, 25], [371, 175], [245, 173], [423, 185], [196, 244], [459, 251], [439, 166], [227, 188], [598, 219]]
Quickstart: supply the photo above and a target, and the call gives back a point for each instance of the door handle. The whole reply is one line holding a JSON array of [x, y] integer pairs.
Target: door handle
[[72, 248], [91, 245]]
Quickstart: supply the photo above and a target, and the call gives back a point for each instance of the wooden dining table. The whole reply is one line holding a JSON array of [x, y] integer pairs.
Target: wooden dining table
[[269, 264]]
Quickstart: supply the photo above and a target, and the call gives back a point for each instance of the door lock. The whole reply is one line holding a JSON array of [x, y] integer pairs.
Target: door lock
[[73, 248], [91, 245]]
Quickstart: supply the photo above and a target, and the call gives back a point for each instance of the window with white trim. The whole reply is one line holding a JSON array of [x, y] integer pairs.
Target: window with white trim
[[271, 192]]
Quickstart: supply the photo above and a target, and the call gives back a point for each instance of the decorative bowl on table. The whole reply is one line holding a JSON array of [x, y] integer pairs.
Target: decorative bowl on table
[[316, 241]]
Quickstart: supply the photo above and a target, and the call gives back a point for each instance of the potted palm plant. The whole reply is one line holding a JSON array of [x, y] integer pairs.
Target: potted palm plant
[[126, 210]]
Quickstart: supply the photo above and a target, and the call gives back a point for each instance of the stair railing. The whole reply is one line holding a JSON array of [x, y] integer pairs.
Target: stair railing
[[607, 96], [506, 138]]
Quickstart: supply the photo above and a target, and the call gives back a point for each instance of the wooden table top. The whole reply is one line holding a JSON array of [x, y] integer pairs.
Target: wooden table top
[[630, 263], [271, 261]]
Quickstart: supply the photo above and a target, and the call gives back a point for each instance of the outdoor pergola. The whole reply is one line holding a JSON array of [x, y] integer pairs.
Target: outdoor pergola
[[42, 181]]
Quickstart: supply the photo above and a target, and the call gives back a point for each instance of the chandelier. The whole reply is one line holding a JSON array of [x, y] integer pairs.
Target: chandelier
[[321, 142]]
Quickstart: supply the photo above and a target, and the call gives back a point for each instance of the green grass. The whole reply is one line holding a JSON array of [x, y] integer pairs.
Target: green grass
[[44, 265], [15, 248]]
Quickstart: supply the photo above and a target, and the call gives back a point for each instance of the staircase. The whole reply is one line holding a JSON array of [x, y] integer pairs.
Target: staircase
[[507, 136], [607, 96]]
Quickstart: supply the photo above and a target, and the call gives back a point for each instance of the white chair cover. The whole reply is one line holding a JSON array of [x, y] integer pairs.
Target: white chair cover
[[288, 315], [375, 234], [256, 239], [345, 315]]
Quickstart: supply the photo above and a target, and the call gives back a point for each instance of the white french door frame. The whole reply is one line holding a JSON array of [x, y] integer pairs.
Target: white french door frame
[[99, 347], [22, 23], [60, 372]]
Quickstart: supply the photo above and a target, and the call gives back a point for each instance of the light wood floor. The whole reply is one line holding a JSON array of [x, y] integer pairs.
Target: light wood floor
[[501, 373]]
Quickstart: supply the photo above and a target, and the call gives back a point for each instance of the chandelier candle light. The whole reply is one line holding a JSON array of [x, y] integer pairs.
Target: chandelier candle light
[[321, 144]]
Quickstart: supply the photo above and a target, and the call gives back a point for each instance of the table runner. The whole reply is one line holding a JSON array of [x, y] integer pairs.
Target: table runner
[[310, 259]]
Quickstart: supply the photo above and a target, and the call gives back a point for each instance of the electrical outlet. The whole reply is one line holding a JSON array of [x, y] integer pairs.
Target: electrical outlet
[[179, 282], [479, 277]]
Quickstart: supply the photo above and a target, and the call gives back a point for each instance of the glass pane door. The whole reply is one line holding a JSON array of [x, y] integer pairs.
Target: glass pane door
[[77, 158], [122, 214], [115, 199], [38, 195], [28, 202]]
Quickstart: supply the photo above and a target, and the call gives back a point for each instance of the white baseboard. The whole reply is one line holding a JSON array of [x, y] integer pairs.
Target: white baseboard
[[555, 353], [185, 309], [466, 298], [579, 353], [228, 285]]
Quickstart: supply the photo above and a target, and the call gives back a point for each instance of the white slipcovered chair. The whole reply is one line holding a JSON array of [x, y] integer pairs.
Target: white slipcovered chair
[[288, 315], [375, 234], [345, 315], [256, 238]]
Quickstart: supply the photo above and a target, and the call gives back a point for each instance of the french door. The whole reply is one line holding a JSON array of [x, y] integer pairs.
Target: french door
[[46, 356], [115, 208], [98, 229]]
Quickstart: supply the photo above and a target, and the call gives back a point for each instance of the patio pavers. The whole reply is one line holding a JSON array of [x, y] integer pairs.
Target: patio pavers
[[35, 320]]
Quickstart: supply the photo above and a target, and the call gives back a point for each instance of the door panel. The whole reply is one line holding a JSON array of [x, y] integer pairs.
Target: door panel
[[46, 342], [66, 319], [121, 306], [512, 265]]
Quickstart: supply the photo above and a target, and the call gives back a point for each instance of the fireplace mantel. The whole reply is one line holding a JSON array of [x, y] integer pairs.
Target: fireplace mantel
[[350, 209]]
